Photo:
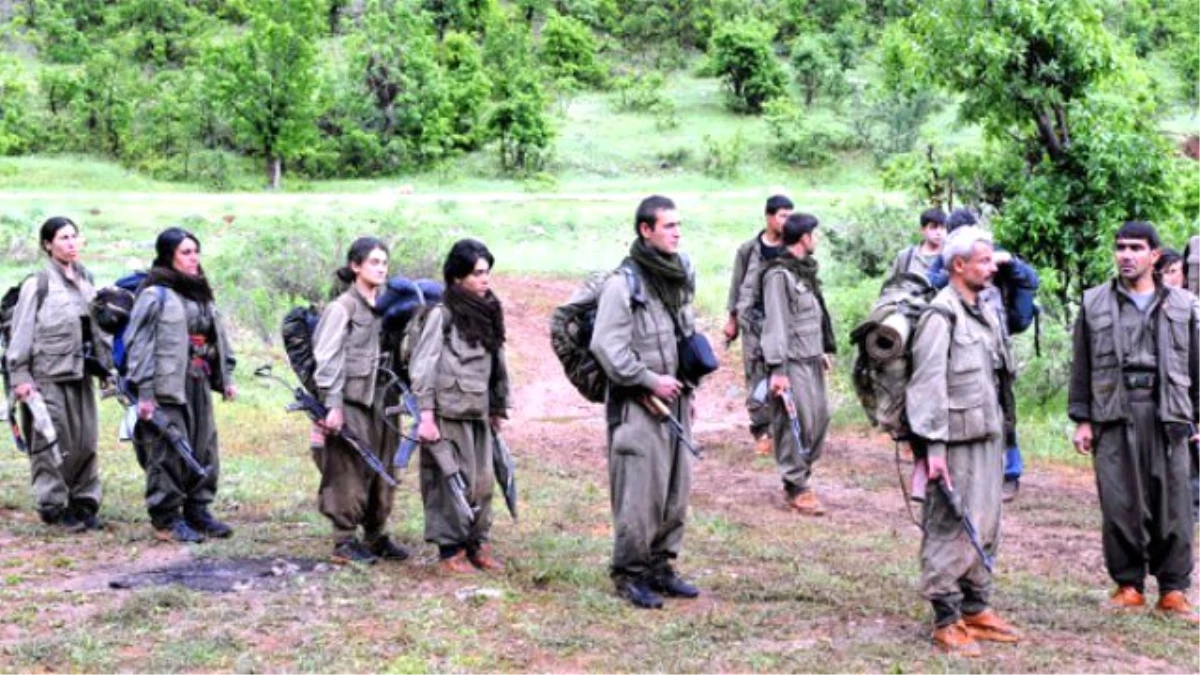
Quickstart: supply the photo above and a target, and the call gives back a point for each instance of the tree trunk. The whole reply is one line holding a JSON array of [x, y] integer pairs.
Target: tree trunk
[[274, 171]]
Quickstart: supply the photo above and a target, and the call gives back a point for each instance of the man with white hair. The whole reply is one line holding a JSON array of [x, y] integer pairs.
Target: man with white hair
[[954, 412]]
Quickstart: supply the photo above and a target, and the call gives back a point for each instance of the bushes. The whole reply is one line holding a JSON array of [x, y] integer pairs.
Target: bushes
[[568, 51], [802, 140], [742, 55], [870, 237]]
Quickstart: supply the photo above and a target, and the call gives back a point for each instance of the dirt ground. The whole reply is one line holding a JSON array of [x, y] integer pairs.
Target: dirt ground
[[783, 615]]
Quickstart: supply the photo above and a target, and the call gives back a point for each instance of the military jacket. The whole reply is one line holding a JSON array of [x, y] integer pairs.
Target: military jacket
[[454, 378], [792, 327], [1112, 338], [346, 351], [47, 341], [160, 351]]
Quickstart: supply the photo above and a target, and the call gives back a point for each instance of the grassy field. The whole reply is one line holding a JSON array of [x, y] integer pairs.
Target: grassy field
[[830, 595]]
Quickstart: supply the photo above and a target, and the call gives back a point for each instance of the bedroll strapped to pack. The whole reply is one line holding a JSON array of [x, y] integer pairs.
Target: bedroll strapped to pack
[[883, 360]]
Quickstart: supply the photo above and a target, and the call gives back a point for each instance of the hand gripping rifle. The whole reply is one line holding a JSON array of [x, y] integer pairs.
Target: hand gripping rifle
[[316, 411], [162, 426], [954, 500], [789, 405], [659, 409], [407, 406]]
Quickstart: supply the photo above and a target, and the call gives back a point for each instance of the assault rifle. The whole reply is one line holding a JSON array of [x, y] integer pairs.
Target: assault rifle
[[960, 512], [789, 405], [502, 464], [658, 408], [165, 429], [408, 405], [316, 411]]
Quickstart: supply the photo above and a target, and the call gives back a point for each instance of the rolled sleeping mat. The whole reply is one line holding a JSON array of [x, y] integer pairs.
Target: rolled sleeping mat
[[889, 339]]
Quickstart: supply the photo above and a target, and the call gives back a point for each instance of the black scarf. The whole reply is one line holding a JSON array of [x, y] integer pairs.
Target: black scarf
[[805, 270], [664, 274], [194, 288], [478, 320]]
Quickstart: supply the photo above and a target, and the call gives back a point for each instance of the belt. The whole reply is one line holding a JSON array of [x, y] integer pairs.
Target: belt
[[1140, 380]]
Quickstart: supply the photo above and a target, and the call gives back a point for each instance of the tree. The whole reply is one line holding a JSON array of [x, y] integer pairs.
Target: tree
[[467, 89], [518, 122], [813, 65], [1052, 86], [266, 79], [568, 50], [742, 55], [463, 16]]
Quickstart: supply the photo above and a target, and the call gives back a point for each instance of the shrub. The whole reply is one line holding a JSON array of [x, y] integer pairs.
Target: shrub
[[800, 140], [723, 158], [867, 240], [742, 54]]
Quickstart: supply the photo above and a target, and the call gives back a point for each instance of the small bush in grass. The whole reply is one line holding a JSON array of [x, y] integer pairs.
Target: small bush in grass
[[870, 237], [723, 158]]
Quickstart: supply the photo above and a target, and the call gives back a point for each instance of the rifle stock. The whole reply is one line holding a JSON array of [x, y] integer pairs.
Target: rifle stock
[[954, 500], [659, 409]]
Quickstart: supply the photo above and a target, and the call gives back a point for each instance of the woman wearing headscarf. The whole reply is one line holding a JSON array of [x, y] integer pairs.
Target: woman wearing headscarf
[[178, 353], [460, 378], [346, 350], [52, 334]]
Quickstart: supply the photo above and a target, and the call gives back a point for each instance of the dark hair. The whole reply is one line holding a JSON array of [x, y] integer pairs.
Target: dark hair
[[777, 202], [1136, 229], [1166, 258], [798, 225], [168, 240], [51, 227], [463, 257], [959, 218], [933, 217], [359, 251], [647, 212]]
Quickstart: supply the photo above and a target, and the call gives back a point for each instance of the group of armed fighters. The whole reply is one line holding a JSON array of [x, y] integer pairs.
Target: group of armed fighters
[[1134, 395]]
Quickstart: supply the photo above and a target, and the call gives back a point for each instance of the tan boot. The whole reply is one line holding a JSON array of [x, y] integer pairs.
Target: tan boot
[[456, 564], [1175, 605], [806, 504], [987, 626], [764, 446], [1127, 597], [955, 639], [483, 558]]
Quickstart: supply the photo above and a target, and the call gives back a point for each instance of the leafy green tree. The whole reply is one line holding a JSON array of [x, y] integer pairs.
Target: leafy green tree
[[18, 129], [467, 89], [266, 79], [568, 50], [105, 106], [813, 65], [518, 121], [1052, 87], [463, 16], [741, 53], [161, 32]]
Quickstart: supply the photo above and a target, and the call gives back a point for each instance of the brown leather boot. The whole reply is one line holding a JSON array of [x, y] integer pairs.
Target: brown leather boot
[[987, 626], [955, 639], [764, 446], [456, 564], [1127, 597], [806, 504], [1175, 605], [482, 557]]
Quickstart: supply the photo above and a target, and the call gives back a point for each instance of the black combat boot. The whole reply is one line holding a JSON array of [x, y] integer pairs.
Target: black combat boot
[[639, 592], [386, 549], [51, 515], [178, 530], [199, 519], [350, 550], [667, 582]]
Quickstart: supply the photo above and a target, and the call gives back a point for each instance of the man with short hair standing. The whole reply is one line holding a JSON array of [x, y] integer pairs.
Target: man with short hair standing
[[953, 406], [1134, 394], [797, 345], [634, 340], [918, 258], [745, 310]]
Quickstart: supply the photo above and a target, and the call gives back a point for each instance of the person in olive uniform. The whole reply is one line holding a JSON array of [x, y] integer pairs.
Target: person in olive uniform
[[52, 330], [954, 410], [178, 353], [1134, 394], [745, 311], [649, 470], [460, 378], [797, 344], [918, 258], [347, 355]]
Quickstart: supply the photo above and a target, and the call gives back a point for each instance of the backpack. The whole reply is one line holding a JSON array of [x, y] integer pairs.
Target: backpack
[[8, 306], [571, 328], [1020, 296], [297, 332], [112, 308], [883, 360]]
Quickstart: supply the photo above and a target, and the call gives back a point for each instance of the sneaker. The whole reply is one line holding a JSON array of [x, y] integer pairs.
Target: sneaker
[[351, 550], [806, 504], [1008, 491], [989, 627], [955, 639], [51, 515], [385, 549], [178, 531], [669, 584], [1175, 605], [481, 556], [202, 521], [1127, 597], [456, 564], [638, 592]]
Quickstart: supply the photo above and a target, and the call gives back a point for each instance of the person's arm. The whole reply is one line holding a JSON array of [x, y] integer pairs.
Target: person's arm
[[612, 338], [775, 322], [926, 395], [426, 354], [498, 387], [228, 359], [141, 337], [20, 346], [938, 277], [329, 353], [1079, 393]]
